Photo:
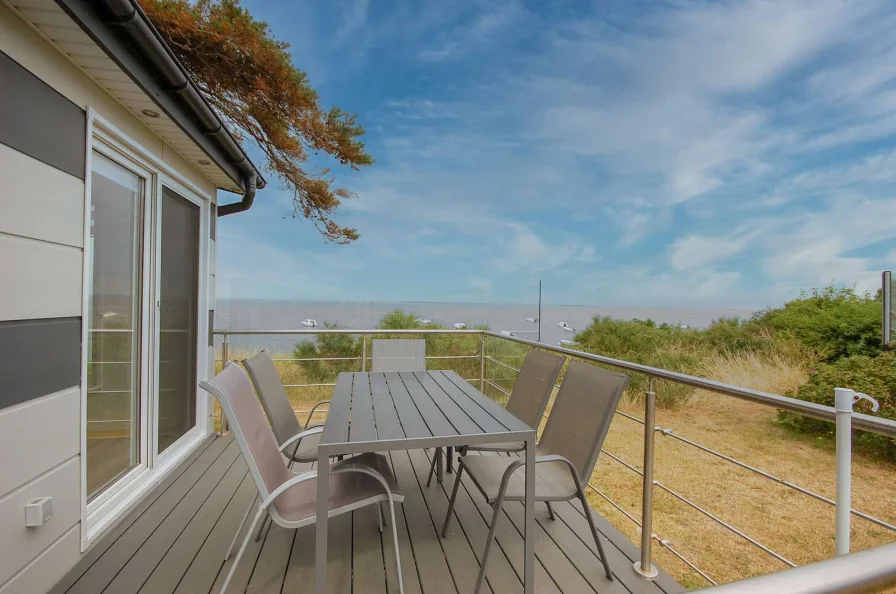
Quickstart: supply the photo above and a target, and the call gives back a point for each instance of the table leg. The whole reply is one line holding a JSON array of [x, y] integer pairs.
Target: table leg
[[323, 497], [449, 461], [529, 560]]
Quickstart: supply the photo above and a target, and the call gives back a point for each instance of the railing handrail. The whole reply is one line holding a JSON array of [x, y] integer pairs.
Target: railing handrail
[[878, 425], [871, 570]]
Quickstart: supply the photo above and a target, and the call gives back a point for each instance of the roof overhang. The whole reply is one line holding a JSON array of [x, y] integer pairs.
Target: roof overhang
[[115, 44]]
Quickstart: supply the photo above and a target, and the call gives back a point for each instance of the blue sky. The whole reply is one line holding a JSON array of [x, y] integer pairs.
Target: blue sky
[[677, 153]]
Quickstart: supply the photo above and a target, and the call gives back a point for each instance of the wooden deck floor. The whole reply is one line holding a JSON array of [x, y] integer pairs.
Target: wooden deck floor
[[174, 542]]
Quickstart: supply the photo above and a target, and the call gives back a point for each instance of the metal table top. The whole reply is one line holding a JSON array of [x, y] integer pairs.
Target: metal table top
[[381, 411]]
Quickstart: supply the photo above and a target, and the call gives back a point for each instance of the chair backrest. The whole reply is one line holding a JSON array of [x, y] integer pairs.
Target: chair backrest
[[534, 385], [273, 395], [256, 441], [581, 416], [399, 354]]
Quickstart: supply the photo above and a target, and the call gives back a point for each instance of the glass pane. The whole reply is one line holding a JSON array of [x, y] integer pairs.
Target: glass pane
[[179, 283], [113, 323]]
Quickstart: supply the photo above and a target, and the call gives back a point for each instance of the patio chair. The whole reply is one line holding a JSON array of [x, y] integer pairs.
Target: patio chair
[[531, 393], [291, 498], [280, 414], [399, 354], [567, 453]]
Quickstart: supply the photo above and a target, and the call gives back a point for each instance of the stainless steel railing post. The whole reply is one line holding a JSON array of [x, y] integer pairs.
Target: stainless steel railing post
[[645, 567], [225, 352], [363, 352], [482, 362]]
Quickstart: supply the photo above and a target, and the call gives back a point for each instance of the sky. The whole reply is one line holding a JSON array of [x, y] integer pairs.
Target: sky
[[679, 153]]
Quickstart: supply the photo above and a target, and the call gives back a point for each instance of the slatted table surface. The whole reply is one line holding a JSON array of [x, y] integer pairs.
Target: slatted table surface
[[390, 411]]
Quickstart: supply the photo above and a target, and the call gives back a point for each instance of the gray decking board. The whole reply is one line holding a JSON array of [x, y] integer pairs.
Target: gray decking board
[[284, 561], [104, 570], [147, 558], [102, 545]]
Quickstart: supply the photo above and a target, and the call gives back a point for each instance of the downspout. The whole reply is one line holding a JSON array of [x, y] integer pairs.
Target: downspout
[[246, 202]]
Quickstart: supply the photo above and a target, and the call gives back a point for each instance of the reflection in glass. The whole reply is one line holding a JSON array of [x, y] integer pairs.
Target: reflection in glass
[[179, 282], [113, 323]]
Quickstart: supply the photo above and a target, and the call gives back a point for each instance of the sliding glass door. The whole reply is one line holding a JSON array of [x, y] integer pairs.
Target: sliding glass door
[[178, 316], [115, 324], [143, 297]]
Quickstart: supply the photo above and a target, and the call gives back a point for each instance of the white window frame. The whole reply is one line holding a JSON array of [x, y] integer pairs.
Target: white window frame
[[106, 508]]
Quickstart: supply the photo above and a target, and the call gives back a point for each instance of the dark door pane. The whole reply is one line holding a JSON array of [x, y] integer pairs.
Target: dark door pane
[[178, 317]]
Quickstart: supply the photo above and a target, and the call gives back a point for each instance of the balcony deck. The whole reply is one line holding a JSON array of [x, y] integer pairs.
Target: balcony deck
[[174, 542]]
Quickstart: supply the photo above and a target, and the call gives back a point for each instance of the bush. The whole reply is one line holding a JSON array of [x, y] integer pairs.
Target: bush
[[328, 346], [835, 322], [875, 376]]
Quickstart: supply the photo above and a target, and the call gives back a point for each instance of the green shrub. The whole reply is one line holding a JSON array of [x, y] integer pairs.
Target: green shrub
[[875, 376], [328, 346], [835, 322]]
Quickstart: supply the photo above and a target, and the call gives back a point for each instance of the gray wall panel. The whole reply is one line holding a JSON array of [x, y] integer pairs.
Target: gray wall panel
[[38, 357], [40, 122]]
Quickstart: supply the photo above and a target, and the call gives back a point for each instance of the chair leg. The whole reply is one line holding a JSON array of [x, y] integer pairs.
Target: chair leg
[[488, 542], [440, 465], [432, 466], [460, 471], [550, 510], [262, 530], [395, 542], [600, 547], [379, 517], [240, 528], [242, 550]]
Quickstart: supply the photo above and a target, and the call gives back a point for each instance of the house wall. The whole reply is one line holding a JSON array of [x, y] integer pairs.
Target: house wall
[[43, 123]]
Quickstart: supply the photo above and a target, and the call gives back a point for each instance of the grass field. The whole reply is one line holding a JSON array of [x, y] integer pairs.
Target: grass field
[[794, 525]]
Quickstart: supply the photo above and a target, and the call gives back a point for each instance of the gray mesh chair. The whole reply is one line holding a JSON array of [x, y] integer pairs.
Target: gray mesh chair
[[280, 414], [566, 454], [531, 393], [399, 354], [290, 498]]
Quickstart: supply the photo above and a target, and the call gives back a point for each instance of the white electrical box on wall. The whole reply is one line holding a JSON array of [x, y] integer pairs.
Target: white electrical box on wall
[[38, 511]]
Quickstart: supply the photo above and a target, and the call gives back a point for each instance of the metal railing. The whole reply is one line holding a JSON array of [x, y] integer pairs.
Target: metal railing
[[644, 565]]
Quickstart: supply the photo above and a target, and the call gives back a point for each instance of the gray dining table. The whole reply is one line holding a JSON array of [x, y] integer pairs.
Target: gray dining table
[[384, 411]]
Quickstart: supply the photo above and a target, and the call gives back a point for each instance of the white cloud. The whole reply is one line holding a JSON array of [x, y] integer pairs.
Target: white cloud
[[695, 251]]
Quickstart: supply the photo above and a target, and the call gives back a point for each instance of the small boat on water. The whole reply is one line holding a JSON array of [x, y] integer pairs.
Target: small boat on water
[[531, 320], [460, 326], [562, 324], [568, 343], [309, 323], [568, 329], [424, 321], [507, 333]]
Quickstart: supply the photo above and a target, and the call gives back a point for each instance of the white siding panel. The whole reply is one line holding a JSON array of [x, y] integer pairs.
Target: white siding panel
[[48, 568], [40, 280], [39, 201], [42, 432], [20, 544]]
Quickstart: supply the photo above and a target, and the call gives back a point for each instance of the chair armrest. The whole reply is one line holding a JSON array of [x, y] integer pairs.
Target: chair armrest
[[519, 463], [300, 435], [312, 474], [314, 408]]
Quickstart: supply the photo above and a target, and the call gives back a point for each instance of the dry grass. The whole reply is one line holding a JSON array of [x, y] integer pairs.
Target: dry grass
[[794, 525]]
